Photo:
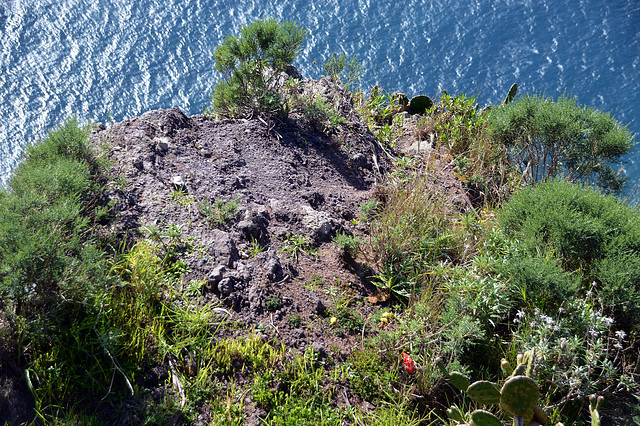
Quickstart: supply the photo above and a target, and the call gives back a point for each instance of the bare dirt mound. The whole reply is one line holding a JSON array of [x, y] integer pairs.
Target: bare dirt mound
[[288, 180]]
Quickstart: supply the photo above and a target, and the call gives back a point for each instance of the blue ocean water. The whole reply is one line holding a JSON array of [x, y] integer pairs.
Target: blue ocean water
[[106, 60]]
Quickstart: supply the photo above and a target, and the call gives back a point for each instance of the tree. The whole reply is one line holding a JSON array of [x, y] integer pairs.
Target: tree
[[562, 138], [252, 64]]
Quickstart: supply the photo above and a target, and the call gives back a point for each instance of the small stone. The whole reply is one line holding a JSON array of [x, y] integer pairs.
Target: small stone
[[216, 275], [319, 349], [225, 287], [138, 164], [320, 308], [178, 183]]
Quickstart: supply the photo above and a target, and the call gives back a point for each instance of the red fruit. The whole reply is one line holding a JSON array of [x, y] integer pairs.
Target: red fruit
[[409, 365]]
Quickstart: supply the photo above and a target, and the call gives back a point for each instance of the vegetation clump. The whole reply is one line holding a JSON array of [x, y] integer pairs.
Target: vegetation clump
[[548, 138], [252, 64]]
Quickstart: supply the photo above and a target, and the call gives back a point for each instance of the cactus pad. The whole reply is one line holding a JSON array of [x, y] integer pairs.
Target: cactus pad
[[484, 418], [506, 368], [519, 370], [459, 380], [484, 392], [519, 396], [454, 413]]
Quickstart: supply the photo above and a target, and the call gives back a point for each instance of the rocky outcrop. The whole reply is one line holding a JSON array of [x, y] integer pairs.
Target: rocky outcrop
[[278, 182]]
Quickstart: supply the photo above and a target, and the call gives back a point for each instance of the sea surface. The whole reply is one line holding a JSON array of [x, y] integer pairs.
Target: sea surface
[[108, 60]]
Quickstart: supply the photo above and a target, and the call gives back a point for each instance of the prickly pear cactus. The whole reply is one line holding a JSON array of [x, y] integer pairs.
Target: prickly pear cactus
[[506, 367], [594, 405], [401, 98], [459, 380], [484, 392], [511, 94], [484, 418], [440, 364], [419, 104], [454, 413], [519, 396]]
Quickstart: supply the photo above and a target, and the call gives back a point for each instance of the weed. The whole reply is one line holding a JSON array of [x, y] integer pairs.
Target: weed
[[349, 244], [220, 212], [273, 303], [321, 114], [344, 71], [298, 244], [255, 248], [368, 209], [347, 320], [294, 320]]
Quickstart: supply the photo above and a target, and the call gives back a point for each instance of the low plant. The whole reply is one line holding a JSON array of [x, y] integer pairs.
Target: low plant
[[321, 114], [294, 320], [256, 248], [368, 209], [349, 244], [220, 212], [298, 244], [273, 303], [578, 352]]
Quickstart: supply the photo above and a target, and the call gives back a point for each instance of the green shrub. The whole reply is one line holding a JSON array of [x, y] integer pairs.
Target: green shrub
[[251, 64], [53, 275], [43, 222], [562, 138], [538, 281], [592, 236]]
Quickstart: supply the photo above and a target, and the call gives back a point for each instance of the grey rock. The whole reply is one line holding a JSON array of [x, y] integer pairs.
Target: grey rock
[[274, 269], [216, 275], [319, 349], [320, 224], [320, 308], [178, 183], [223, 248], [226, 287]]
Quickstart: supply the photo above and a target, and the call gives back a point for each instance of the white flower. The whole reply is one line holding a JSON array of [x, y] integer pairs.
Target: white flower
[[520, 314], [621, 334], [618, 345], [607, 320], [547, 319]]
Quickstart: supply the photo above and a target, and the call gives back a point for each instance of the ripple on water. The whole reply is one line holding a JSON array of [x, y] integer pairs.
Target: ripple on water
[[110, 58]]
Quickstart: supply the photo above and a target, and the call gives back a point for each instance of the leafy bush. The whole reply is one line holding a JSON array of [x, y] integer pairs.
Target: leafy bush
[[592, 236], [578, 352], [548, 139], [251, 65]]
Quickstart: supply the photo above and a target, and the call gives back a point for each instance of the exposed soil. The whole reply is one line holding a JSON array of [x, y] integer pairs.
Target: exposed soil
[[291, 178]]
